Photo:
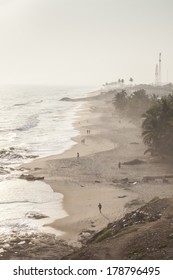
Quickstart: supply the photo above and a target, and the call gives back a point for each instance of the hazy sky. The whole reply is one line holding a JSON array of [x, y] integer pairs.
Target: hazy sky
[[89, 42]]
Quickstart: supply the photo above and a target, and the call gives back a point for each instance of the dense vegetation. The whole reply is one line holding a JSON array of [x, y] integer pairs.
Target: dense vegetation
[[157, 114], [158, 127], [135, 104]]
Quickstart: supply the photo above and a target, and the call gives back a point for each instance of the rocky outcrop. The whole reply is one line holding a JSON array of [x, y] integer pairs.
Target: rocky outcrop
[[30, 177], [35, 215]]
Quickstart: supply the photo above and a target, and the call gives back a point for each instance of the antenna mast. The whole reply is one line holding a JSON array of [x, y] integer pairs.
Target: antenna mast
[[160, 78]]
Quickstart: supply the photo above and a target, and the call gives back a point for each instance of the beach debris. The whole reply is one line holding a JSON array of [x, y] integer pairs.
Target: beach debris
[[82, 186], [134, 202], [84, 236], [97, 181], [30, 177], [134, 183], [34, 245], [35, 215], [66, 99], [37, 168], [143, 215], [92, 224], [133, 162], [122, 196], [153, 178], [114, 181], [124, 180], [125, 225], [21, 242]]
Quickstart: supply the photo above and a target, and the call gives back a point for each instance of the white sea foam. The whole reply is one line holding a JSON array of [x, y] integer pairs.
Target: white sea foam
[[36, 120], [33, 122], [18, 198]]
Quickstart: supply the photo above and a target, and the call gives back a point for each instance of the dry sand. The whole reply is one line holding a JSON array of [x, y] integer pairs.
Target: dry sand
[[95, 176]]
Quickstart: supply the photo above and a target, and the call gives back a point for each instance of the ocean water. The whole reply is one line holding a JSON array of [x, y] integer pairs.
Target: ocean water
[[33, 123]]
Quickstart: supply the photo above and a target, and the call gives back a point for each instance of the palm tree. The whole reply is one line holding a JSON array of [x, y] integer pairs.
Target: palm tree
[[151, 130], [120, 100], [131, 80], [158, 127]]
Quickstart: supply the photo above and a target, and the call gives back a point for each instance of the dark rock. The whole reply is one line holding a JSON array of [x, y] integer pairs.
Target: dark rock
[[31, 177], [65, 99], [124, 180], [115, 181], [133, 162], [35, 215], [32, 156]]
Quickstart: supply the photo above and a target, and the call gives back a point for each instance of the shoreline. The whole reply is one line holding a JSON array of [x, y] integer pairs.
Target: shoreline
[[37, 166], [95, 176]]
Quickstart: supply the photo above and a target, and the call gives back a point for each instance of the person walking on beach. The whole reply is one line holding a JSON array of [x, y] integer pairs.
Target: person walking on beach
[[100, 207], [77, 155], [119, 164]]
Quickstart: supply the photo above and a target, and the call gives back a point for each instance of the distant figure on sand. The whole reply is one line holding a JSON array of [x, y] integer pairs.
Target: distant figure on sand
[[119, 164], [77, 155], [83, 141], [100, 207]]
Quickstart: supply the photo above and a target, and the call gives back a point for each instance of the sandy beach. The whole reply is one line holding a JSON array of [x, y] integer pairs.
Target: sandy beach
[[95, 177]]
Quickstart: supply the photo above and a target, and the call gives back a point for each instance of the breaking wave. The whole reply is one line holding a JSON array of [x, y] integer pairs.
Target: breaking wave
[[31, 123]]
